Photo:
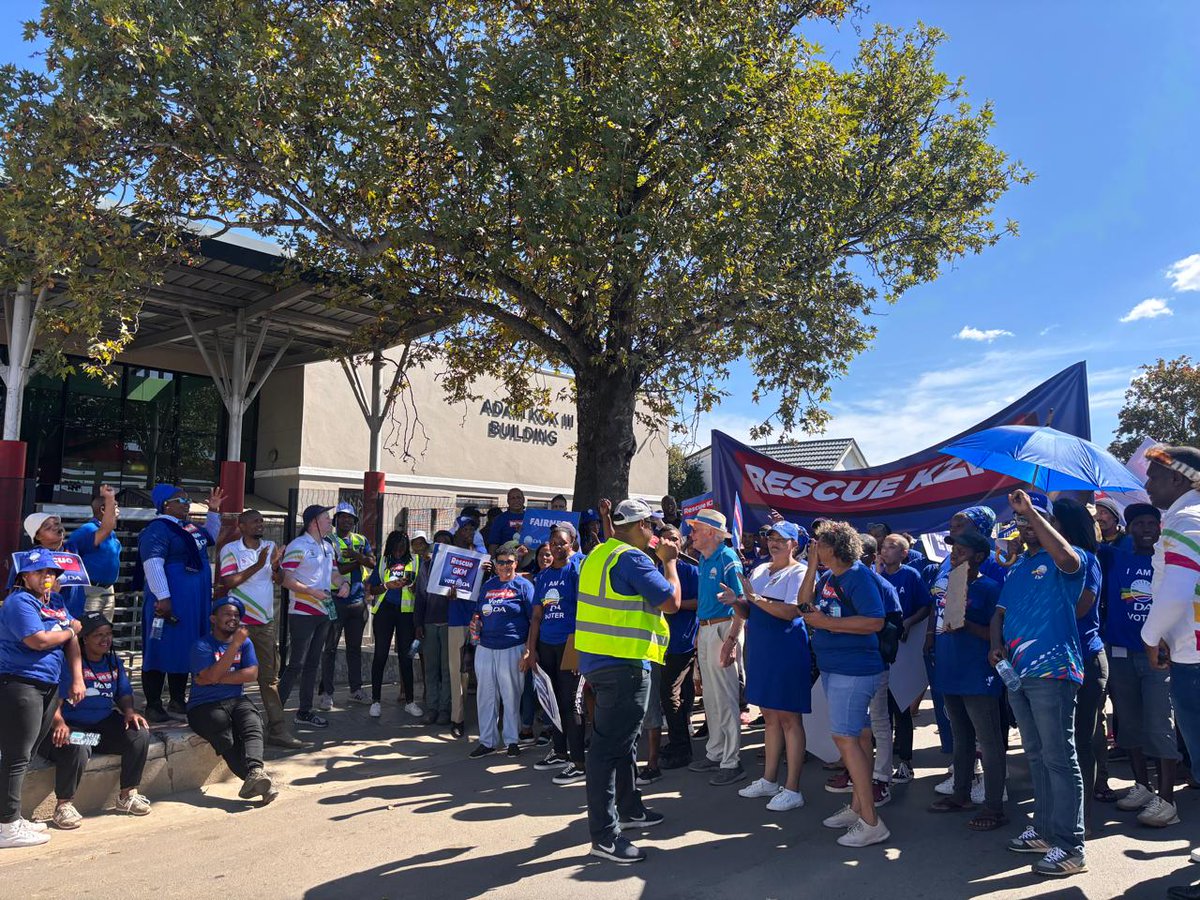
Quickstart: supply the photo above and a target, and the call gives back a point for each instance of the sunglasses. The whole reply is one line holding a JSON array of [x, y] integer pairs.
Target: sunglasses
[[182, 498], [506, 562]]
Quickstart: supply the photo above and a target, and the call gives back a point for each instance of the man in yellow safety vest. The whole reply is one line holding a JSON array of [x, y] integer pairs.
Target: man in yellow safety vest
[[619, 631]]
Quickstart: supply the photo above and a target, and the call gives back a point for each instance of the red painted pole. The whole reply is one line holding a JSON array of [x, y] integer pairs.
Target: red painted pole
[[12, 498], [233, 483], [374, 487]]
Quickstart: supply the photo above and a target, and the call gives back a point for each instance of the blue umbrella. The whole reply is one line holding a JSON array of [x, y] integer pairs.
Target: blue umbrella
[[1044, 457]]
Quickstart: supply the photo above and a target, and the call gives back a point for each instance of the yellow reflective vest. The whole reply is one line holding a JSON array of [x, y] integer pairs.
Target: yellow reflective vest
[[408, 595], [608, 623]]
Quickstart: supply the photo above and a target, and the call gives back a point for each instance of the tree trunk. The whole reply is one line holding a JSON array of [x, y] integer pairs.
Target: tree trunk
[[605, 403]]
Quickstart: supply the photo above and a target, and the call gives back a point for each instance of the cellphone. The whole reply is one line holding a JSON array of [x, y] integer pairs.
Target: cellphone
[[654, 542]]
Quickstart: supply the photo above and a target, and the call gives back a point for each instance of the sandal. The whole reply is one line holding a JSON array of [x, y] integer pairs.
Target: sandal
[[949, 804], [1106, 795], [988, 820]]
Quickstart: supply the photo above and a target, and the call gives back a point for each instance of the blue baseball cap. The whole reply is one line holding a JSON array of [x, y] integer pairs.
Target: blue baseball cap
[[347, 509], [787, 530], [229, 600], [1041, 503]]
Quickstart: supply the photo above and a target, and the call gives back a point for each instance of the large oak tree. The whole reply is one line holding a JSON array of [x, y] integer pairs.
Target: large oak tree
[[641, 192]]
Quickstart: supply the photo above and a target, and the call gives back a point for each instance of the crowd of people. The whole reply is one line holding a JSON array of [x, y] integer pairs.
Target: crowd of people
[[1078, 603]]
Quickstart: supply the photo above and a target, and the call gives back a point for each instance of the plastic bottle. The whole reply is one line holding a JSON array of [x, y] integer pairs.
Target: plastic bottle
[[414, 649], [1008, 675], [156, 628]]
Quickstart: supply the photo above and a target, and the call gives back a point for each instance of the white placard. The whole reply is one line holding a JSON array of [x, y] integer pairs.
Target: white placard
[[818, 736], [907, 677]]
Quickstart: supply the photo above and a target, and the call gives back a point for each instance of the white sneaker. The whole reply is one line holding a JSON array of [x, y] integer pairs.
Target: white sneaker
[[1138, 797], [375, 711], [978, 794], [1159, 813], [358, 696], [946, 788], [1194, 856], [759, 788], [37, 827], [843, 818], [785, 800], [861, 834], [413, 710], [15, 834], [325, 702]]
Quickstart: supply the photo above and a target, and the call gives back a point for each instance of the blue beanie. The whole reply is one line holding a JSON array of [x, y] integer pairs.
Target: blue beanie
[[162, 493]]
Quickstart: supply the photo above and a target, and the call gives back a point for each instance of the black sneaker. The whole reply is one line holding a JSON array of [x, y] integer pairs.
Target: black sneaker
[[311, 719], [514, 750], [674, 762], [701, 732], [480, 750], [551, 761], [457, 730], [619, 851], [257, 784], [648, 819], [156, 715], [177, 709], [572, 774], [647, 775], [543, 740]]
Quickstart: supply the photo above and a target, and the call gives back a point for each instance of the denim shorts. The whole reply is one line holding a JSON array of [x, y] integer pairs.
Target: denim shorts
[[849, 698]]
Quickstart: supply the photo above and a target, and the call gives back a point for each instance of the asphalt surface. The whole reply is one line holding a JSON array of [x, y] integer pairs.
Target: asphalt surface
[[388, 809]]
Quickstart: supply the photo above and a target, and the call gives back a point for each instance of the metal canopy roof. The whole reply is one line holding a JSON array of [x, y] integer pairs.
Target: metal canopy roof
[[233, 273]]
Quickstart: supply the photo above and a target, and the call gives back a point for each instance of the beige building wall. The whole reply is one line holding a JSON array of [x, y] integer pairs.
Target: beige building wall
[[473, 449]]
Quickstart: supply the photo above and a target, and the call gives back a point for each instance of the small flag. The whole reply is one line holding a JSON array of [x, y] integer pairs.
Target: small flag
[[736, 528]]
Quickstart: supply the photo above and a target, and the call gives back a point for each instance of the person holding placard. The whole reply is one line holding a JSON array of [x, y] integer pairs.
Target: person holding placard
[[970, 687]]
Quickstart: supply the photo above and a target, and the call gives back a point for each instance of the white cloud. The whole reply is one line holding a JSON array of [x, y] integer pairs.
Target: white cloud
[[975, 334], [1045, 331], [1150, 308], [1185, 273]]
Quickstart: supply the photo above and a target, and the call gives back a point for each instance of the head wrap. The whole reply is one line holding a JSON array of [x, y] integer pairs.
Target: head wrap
[[982, 517]]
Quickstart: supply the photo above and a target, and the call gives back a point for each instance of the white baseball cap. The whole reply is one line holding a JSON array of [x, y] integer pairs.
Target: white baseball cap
[[630, 511]]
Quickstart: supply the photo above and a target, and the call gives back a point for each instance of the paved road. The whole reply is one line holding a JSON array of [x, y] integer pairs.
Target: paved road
[[382, 809]]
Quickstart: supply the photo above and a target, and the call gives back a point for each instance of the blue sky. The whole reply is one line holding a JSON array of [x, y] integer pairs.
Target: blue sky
[[1093, 97]]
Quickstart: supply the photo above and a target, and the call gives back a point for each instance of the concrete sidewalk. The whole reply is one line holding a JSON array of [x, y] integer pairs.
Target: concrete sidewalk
[[387, 809]]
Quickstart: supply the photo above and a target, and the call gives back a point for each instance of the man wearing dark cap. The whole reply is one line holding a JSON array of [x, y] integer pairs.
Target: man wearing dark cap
[[218, 709], [307, 569], [1034, 629]]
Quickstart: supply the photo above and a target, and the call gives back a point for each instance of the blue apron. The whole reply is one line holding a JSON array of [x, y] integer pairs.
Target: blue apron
[[184, 552]]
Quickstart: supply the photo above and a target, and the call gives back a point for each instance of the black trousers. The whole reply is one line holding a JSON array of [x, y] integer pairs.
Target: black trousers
[[26, 711], [569, 741], [902, 745], [152, 686], [677, 692], [389, 623], [351, 621], [70, 761], [234, 727], [621, 692]]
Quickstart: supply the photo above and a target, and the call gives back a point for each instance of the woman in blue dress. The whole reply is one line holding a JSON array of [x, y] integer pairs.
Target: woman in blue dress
[[178, 595], [778, 664]]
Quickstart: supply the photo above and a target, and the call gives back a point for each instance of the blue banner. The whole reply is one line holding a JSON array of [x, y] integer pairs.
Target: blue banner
[[537, 524], [916, 494]]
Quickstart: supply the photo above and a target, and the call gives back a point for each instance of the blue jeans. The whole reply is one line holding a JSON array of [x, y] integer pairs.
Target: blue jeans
[[621, 693], [1185, 695], [945, 731], [1045, 711]]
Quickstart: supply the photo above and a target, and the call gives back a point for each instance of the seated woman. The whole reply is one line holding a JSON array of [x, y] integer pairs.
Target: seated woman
[[505, 607], [106, 712]]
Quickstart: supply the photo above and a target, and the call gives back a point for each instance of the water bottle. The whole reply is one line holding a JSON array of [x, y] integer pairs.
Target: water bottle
[[414, 649], [84, 738], [156, 628], [1008, 675]]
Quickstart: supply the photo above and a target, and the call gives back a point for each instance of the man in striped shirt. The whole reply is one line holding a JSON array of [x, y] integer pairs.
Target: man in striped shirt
[[1171, 632], [249, 569], [308, 573]]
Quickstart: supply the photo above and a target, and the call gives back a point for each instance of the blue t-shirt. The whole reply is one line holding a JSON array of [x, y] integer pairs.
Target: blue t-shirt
[[1039, 600], [723, 567], [104, 682], [556, 591], [1127, 595], [910, 588], [962, 658], [103, 563], [633, 574], [505, 527], [683, 624], [505, 608], [22, 615], [1090, 641], [207, 651], [848, 654]]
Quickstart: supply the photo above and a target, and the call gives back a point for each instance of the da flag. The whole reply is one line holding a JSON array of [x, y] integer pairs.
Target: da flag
[[916, 494]]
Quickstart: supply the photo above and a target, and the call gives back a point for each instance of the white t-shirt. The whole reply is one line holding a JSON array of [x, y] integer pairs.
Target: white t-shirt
[[310, 562], [257, 592], [782, 585]]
